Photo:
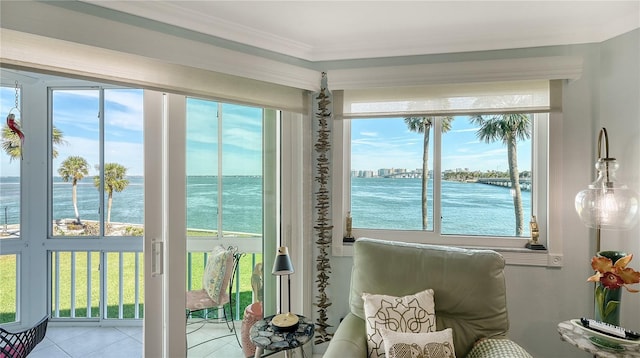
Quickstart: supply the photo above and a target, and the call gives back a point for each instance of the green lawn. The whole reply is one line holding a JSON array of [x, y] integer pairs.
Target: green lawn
[[8, 288], [8, 293]]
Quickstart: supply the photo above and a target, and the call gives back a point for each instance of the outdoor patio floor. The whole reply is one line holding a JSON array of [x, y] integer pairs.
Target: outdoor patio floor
[[125, 342]]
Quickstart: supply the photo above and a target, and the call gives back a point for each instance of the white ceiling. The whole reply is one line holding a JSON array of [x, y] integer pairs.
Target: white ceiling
[[335, 30]]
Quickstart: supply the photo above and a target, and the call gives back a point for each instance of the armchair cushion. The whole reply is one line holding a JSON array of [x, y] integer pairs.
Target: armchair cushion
[[498, 348], [349, 340]]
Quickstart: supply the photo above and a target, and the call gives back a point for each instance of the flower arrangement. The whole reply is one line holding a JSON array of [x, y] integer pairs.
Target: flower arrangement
[[614, 275], [610, 276]]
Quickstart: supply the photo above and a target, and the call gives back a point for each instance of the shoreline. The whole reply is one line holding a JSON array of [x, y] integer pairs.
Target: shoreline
[[68, 227]]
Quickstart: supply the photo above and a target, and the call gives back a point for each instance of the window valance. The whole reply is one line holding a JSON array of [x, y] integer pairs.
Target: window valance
[[458, 99], [498, 86]]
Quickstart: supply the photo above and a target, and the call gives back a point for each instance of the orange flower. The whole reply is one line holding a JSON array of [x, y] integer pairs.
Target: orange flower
[[616, 275]]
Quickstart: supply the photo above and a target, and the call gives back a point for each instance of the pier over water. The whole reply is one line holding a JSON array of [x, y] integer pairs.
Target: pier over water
[[525, 184]]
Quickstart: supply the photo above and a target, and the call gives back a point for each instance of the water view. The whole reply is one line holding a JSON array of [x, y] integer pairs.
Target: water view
[[467, 208], [382, 203]]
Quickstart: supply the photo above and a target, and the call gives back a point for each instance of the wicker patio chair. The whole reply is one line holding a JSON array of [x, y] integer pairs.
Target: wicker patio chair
[[20, 344]]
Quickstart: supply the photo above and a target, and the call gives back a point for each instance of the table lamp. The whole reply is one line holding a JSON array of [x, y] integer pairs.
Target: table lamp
[[283, 266]]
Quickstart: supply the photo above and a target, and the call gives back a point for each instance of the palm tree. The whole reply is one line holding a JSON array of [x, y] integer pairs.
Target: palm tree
[[508, 128], [11, 142], [114, 180], [423, 125], [73, 169]]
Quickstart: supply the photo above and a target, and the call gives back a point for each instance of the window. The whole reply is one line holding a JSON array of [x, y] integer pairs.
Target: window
[[96, 191], [96, 146], [388, 174], [10, 165], [10, 215], [224, 169], [479, 197], [456, 165], [224, 188]]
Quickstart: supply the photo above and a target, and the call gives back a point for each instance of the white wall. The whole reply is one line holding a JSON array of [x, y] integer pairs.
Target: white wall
[[607, 95], [620, 114]]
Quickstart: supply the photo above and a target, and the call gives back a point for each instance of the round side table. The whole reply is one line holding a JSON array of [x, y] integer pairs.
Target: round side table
[[266, 338]]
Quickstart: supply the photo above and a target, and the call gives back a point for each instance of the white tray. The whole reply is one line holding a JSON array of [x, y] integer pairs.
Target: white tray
[[606, 337]]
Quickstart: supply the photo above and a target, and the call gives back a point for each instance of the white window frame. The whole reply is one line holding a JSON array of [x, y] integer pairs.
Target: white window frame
[[511, 247], [433, 236], [100, 89], [546, 180], [101, 243]]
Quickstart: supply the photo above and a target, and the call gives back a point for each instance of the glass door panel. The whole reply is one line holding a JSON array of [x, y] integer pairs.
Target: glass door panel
[[224, 151], [10, 166]]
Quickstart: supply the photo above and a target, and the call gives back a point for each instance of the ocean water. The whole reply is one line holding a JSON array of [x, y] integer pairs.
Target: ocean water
[[467, 208], [384, 203], [241, 202]]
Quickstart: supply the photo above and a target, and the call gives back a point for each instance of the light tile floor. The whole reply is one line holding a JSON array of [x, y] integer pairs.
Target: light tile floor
[[125, 342]]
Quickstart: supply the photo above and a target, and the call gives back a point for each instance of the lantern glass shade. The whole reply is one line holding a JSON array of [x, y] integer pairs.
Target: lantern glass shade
[[606, 203]]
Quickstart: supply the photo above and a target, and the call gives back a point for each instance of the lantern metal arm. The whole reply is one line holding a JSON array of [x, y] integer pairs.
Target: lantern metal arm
[[603, 135]]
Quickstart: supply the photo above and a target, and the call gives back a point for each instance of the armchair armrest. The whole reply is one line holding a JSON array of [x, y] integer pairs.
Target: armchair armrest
[[498, 348], [350, 339]]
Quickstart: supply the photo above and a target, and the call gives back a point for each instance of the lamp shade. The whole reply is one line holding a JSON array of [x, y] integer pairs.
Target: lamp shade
[[282, 264], [606, 203]]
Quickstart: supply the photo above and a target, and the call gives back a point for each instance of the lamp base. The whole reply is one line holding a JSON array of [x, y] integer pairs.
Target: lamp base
[[285, 322]]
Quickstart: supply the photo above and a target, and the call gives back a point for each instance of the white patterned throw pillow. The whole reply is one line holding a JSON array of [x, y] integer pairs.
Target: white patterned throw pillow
[[218, 268], [425, 345], [413, 313]]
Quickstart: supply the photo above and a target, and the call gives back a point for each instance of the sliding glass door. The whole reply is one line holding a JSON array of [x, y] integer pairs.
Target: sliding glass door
[[214, 171]]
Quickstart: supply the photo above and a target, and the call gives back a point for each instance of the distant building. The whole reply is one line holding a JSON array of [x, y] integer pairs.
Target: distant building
[[366, 174], [384, 172]]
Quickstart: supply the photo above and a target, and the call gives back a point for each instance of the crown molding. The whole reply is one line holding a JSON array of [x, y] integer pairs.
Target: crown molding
[[188, 17], [184, 17], [538, 68]]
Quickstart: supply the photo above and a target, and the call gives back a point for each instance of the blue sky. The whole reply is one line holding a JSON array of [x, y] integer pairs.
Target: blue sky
[[388, 143], [76, 114], [241, 137], [377, 143]]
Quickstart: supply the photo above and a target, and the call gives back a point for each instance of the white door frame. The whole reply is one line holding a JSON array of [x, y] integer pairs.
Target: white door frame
[[165, 225]]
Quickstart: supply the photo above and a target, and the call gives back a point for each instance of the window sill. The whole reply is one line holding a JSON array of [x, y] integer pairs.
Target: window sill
[[512, 256]]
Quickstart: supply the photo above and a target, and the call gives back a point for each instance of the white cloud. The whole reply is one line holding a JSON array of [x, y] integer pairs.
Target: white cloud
[[464, 130], [130, 155], [369, 134]]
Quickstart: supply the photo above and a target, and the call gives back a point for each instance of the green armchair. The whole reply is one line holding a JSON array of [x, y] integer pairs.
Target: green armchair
[[469, 295]]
